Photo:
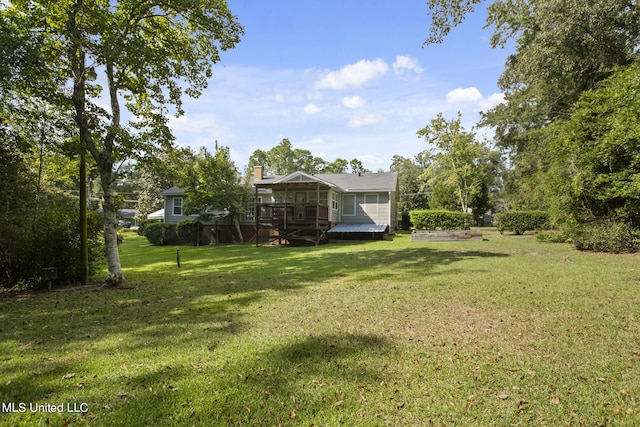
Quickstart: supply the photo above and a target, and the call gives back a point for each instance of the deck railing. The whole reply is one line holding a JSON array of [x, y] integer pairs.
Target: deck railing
[[292, 213]]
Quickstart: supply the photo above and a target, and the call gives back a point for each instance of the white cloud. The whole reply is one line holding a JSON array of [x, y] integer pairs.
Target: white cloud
[[197, 124], [353, 75], [312, 109], [492, 101], [368, 119], [279, 98], [404, 64], [352, 101], [464, 96], [472, 95], [371, 162]]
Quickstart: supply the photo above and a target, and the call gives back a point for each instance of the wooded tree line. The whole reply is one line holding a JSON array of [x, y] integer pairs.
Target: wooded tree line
[[570, 120], [569, 125]]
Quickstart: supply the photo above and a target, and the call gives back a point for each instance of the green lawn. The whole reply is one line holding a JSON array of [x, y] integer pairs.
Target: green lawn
[[500, 332]]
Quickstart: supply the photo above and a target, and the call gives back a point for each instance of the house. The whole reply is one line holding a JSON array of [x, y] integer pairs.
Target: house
[[173, 212], [314, 207], [301, 207]]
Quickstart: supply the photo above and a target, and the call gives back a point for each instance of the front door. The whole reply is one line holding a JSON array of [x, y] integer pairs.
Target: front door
[[300, 200]]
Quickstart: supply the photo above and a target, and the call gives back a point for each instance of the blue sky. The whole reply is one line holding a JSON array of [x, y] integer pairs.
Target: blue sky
[[341, 78]]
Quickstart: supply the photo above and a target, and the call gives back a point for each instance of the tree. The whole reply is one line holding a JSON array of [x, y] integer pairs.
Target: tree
[[411, 186], [284, 159], [339, 165], [461, 165], [562, 50], [356, 166], [212, 182], [150, 54], [595, 171]]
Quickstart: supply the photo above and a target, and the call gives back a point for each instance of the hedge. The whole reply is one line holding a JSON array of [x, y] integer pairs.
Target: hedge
[[189, 231], [161, 233], [426, 219], [144, 223], [164, 233], [521, 221]]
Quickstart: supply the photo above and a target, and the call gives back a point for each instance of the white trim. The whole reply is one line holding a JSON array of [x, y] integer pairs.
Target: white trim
[[178, 206]]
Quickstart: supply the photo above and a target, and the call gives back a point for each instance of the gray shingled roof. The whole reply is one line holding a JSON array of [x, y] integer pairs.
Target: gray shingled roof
[[383, 181], [173, 191]]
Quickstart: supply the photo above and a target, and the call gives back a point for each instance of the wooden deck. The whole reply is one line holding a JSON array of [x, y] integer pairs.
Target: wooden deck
[[294, 222]]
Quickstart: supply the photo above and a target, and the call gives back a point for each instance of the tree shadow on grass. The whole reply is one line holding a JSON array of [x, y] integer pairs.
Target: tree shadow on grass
[[209, 296], [314, 378]]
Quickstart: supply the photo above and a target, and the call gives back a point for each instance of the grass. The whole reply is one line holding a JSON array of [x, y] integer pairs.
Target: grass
[[499, 332]]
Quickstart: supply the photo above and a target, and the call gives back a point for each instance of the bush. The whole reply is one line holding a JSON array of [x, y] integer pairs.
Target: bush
[[426, 219], [606, 236], [554, 236], [521, 221], [144, 223], [161, 233], [189, 231], [53, 241]]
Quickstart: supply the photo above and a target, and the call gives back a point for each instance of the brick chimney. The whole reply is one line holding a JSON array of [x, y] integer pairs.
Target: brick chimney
[[258, 173]]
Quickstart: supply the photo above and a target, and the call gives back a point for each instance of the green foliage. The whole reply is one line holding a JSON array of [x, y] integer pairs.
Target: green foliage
[[284, 159], [562, 235], [161, 233], [521, 221], [54, 242], [607, 236], [212, 182], [596, 152], [151, 54], [440, 220], [410, 186], [189, 231], [142, 225], [461, 166]]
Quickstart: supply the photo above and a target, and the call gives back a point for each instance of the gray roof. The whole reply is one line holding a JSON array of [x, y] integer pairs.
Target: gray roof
[[359, 228], [173, 191], [382, 181]]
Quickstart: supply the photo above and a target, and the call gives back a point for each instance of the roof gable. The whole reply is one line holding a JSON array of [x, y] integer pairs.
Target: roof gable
[[301, 177]]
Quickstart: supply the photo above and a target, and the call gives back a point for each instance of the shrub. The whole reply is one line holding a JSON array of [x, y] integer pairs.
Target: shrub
[[144, 223], [426, 219], [563, 235], [161, 233], [53, 241], [521, 221], [189, 230], [606, 236]]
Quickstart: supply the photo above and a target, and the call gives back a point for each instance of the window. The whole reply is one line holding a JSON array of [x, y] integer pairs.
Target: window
[[349, 205], [334, 200], [177, 206], [324, 197], [370, 204], [251, 209], [279, 197]]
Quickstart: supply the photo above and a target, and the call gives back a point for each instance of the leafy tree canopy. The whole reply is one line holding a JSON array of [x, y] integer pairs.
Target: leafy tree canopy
[[149, 55]]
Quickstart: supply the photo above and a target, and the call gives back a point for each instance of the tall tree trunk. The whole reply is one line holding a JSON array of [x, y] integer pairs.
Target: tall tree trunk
[[238, 229], [115, 274], [105, 163]]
